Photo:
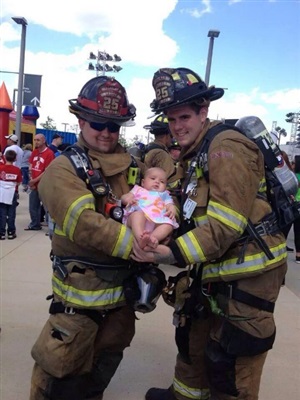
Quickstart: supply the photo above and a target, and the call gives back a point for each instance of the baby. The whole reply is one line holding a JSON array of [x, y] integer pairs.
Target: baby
[[150, 211]]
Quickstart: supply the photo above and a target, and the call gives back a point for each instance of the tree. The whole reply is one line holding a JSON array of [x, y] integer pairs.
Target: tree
[[125, 142], [49, 124], [281, 132]]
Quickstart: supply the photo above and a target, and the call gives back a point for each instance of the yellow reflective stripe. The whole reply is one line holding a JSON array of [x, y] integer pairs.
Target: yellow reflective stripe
[[58, 231], [227, 216], [190, 393], [252, 263], [173, 185], [191, 248], [124, 243], [200, 220], [86, 202], [262, 186], [87, 298]]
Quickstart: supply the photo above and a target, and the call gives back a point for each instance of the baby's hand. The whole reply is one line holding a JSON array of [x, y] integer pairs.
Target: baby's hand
[[131, 203], [127, 199], [171, 211]]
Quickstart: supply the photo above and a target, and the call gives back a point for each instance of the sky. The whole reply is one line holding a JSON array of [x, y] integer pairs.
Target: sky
[[256, 57]]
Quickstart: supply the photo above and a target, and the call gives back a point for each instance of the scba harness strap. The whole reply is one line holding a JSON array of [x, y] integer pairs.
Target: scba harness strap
[[59, 308], [93, 177], [231, 291], [269, 226]]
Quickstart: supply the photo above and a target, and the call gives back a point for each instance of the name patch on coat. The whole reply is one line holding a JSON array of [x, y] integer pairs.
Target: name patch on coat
[[221, 154]]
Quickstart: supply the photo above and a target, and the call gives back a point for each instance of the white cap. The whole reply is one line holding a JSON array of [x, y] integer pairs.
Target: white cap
[[14, 138]]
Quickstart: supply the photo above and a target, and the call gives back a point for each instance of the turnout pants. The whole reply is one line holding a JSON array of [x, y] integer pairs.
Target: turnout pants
[[75, 358], [191, 380]]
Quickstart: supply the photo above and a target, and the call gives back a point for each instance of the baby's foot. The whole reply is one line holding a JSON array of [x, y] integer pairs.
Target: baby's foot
[[152, 242], [144, 240]]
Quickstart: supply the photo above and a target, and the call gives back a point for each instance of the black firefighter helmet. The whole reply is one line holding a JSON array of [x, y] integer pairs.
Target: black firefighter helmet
[[103, 99], [176, 86], [159, 126]]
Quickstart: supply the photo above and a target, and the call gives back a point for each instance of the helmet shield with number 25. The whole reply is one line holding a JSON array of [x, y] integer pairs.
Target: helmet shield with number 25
[[176, 86], [103, 99]]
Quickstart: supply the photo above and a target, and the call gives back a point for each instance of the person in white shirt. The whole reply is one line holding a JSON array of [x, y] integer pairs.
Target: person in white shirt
[[12, 141]]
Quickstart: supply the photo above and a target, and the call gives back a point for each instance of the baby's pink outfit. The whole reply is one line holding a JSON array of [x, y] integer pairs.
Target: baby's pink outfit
[[153, 204]]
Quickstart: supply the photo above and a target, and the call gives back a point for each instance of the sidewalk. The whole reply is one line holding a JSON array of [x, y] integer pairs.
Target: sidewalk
[[25, 282]]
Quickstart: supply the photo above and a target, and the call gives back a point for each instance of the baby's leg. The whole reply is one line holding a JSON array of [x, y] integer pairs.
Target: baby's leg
[[141, 228], [136, 221]]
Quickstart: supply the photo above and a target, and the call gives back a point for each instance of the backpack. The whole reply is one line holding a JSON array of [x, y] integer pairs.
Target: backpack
[[283, 204], [140, 149]]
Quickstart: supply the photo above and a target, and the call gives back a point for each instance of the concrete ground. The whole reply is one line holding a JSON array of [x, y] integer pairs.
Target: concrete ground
[[25, 282]]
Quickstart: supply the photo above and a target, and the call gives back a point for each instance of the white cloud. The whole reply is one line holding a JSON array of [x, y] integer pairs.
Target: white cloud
[[263, 105], [197, 12], [81, 18], [283, 99], [134, 30]]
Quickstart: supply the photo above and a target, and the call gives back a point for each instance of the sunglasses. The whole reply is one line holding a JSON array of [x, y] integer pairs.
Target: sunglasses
[[112, 127]]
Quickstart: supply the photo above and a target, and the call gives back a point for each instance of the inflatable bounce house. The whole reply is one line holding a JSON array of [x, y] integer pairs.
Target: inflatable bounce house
[[8, 120], [30, 115]]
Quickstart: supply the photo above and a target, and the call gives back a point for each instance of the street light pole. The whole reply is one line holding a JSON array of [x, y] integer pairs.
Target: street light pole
[[212, 34], [21, 21], [65, 125]]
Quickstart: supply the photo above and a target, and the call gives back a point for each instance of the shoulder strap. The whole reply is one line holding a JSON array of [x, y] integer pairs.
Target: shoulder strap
[[84, 169], [79, 160], [208, 138], [213, 132]]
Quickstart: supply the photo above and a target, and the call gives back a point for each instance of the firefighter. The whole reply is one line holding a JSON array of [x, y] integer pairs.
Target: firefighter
[[174, 150], [90, 324], [157, 152], [233, 249]]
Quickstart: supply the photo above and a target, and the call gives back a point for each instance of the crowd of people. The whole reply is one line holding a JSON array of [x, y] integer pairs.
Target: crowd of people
[[30, 164], [117, 218]]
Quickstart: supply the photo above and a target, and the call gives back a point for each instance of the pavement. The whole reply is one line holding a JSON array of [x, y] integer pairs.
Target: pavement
[[25, 282]]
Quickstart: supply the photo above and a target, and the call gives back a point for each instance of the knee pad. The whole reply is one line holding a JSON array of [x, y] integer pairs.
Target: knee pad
[[241, 344], [221, 369], [71, 388], [103, 370]]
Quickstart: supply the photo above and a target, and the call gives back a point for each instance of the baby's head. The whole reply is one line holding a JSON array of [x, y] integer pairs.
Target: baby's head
[[155, 179]]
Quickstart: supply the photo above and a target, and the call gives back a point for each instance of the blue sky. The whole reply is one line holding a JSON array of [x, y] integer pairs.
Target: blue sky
[[256, 57]]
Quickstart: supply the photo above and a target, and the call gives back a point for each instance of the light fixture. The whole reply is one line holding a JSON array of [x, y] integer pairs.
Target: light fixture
[[20, 21]]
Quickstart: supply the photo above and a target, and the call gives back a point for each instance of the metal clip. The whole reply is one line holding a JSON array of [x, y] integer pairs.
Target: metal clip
[[112, 198], [194, 192], [59, 267], [69, 311], [191, 187], [229, 291], [176, 320]]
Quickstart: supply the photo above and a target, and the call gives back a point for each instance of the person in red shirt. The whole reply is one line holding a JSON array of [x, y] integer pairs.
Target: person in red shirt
[[10, 178], [2, 158], [39, 160]]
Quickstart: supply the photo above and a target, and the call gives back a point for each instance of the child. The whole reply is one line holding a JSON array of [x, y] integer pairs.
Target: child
[[10, 179], [150, 211], [27, 150]]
